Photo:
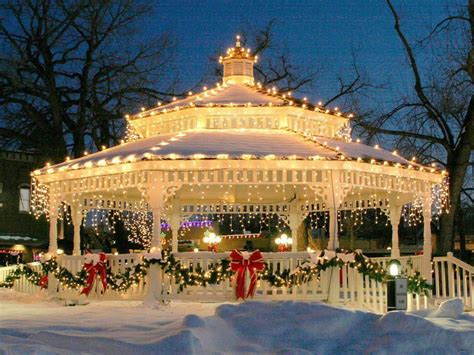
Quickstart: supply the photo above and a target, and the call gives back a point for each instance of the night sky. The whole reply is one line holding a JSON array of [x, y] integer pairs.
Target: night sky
[[317, 33]]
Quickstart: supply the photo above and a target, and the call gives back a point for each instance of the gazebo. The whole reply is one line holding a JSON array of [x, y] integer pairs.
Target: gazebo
[[239, 148]]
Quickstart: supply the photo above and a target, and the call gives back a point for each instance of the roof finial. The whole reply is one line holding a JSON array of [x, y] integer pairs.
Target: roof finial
[[237, 41]]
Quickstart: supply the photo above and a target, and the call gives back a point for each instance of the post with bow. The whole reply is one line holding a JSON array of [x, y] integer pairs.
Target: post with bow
[[246, 264], [95, 266]]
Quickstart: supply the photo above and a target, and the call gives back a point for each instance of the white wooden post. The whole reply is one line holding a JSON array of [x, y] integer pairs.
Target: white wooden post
[[174, 225], [156, 203], [450, 288], [294, 224], [53, 243], [155, 200], [76, 214], [395, 212], [333, 243], [53, 229], [427, 248]]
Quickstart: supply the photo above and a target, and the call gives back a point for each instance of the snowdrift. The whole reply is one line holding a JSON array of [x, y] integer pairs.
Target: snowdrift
[[31, 324]]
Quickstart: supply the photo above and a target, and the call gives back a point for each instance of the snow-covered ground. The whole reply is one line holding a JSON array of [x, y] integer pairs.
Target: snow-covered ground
[[34, 324]]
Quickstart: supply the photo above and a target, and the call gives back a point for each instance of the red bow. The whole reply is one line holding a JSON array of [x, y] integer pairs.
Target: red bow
[[43, 282], [241, 262], [94, 267], [212, 248]]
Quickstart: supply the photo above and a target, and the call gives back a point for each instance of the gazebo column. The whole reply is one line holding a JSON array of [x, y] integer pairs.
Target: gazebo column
[[427, 248], [155, 274], [293, 223], [395, 212], [156, 204], [333, 243], [156, 237], [76, 214], [53, 228], [174, 225]]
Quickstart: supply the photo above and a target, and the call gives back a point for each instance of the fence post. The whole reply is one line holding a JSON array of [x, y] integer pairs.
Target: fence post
[[450, 276], [154, 281], [334, 286]]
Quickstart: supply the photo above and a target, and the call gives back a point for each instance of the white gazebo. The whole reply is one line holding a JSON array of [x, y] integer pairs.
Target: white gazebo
[[239, 148]]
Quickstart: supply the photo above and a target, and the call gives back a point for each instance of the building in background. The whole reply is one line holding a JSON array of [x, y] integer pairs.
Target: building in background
[[21, 235]]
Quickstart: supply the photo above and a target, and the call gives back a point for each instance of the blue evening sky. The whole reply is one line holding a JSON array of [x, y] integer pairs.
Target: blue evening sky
[[318, 33]]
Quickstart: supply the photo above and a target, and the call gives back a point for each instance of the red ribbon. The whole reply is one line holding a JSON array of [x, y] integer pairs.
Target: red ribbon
[[43, 282], [212, 248], [241, 262], [93, 269]]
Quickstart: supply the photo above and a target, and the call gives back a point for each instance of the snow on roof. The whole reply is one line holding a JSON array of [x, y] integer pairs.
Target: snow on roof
[[230, 144], [207, 143], [15, 237], [225, 94], [359, 150]]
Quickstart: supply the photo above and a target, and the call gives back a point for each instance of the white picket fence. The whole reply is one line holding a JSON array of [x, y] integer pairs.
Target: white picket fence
[[344, 285], [453, 278], [410, 264], [22, 284]]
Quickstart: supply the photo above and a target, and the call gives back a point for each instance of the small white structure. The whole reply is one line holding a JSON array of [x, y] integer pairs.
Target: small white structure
[[239, 148]]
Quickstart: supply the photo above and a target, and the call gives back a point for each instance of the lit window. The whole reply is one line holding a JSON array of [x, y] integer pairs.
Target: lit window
[[24, 199]]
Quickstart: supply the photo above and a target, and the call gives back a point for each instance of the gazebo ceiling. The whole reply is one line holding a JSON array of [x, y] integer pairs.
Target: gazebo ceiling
[[230, 144]]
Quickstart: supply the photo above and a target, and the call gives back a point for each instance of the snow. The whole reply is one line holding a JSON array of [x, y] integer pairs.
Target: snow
[[33, 323], [237, 94], [449, 309], [358, 150], [210, 143], [16, 237]]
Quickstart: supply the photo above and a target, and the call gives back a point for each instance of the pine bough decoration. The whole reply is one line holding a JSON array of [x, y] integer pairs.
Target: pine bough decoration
[[216, 273]]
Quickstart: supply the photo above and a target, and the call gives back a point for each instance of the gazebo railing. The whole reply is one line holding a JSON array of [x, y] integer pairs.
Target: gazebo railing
[[22, 284], [453, 278], [410, 264], [337, 285]]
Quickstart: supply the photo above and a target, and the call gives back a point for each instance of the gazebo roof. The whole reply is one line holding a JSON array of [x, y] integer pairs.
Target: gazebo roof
[[225, 94], [230, 144]]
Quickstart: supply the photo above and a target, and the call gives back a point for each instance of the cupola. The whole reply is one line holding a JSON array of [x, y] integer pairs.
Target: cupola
[[238, 65]]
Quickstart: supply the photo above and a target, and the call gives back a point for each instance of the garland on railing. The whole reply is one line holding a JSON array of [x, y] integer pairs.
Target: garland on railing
[[217, 272]]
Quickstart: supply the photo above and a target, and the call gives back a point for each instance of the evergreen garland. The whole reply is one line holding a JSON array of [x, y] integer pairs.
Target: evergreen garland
[[218, 272]]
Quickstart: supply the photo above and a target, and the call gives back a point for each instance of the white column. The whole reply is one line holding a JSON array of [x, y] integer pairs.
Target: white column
[[293, 224], [156, 204], [333, 243], [174, 225], [53, 226], [156, 238], [53, 234], [76, 215], [427, 248], [395, 212]]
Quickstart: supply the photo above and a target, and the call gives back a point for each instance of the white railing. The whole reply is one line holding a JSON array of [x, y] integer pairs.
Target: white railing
[[416, 302], [371, 294], [453, 278], [337, 285], [6, 270], [117, 263], [315, 290], [410, 264], [22, 284]]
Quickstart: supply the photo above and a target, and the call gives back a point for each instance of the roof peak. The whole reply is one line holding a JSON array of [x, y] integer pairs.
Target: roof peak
[[238, 64]]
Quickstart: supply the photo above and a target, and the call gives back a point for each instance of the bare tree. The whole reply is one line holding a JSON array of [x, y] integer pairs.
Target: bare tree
[[70, 70], [436, 120], [277, 67]]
